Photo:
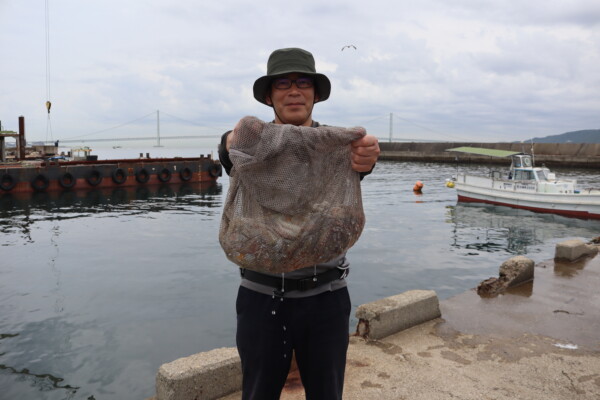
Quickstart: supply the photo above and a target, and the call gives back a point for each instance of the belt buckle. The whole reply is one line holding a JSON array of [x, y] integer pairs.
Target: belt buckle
[[345, 272]]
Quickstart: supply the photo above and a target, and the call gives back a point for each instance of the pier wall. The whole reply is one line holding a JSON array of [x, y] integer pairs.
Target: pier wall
[[578, 155], [217, 373]]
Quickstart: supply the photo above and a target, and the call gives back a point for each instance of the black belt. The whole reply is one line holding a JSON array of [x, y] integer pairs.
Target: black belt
[[302, 285]]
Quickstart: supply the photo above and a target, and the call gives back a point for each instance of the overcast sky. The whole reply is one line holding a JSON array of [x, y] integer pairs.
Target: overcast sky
[[452, 70]]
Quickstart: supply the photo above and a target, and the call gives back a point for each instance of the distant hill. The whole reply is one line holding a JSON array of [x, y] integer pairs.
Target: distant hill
[[585, 136]]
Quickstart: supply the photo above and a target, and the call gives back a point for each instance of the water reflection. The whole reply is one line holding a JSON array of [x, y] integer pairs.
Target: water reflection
[[569, 269], [36, 364], [77, 321], [489, 228], [101, 199], [42, 382], [19, 211], [523, 290]]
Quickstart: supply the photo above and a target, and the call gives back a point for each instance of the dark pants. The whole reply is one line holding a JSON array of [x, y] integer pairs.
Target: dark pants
[[315, 328]]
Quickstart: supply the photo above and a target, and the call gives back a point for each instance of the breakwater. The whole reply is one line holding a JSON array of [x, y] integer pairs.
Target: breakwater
[[578, 155]]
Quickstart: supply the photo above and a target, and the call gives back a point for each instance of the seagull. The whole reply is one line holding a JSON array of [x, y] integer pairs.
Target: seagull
[[348, 46]]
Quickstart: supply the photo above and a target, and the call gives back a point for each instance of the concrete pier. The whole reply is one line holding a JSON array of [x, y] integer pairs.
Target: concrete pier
[[538, 340], [574, 155], [573, 250], [207, 375], [393, 314]]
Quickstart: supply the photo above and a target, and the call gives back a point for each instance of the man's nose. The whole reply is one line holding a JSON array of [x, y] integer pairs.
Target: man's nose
[[294, 89]]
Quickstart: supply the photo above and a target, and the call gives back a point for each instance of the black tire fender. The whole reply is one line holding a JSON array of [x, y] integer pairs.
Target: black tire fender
[[7, 182], [215, 170], [142, 176], [40, 182], [185, 174], [164, 175], [119, 176], [67, 180], [94, 177]]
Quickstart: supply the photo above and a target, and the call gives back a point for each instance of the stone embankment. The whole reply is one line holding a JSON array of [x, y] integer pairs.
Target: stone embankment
[[577, 155], [533, 339]]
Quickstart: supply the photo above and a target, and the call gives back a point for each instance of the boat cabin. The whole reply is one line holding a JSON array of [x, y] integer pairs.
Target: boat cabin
[[521, 161], [521, 169], [81, 154]]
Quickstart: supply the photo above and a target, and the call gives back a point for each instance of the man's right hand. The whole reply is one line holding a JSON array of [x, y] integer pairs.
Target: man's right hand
[[230, 139], [232, 135]]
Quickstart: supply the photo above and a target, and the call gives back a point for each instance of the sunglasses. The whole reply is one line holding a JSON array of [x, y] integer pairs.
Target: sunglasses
[[285, 83]]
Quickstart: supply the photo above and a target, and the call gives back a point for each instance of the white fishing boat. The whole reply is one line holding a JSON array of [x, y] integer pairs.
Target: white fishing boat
[[525, 186]]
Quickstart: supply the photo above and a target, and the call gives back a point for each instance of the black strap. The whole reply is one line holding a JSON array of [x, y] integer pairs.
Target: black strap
[[302, 285]]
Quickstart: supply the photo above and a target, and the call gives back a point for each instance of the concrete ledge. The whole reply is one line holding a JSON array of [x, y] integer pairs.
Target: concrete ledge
[[571, 250], [203, 376], [393, 314], [513, 272], [517, 270]]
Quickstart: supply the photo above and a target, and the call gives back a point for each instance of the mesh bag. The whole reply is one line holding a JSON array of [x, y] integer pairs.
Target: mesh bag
[[294, 200]]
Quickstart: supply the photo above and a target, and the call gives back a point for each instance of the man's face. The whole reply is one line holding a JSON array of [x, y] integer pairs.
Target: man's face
[[292, 105]]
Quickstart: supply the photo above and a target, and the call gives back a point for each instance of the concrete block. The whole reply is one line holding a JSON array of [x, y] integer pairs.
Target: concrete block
[[513, 272], [517, 270], [393, 314], [571, 250], [203, 376]]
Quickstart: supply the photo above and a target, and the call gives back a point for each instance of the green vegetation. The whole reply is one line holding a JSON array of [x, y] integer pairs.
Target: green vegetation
[[584, 136]]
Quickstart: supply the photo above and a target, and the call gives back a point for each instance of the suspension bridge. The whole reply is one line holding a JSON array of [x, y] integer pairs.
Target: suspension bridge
[[94, 136]]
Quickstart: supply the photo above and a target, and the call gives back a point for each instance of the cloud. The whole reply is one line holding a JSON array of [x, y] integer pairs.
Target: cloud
[[445, 70]]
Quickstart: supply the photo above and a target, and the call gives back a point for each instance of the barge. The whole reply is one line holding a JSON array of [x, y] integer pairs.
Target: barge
[[46, 175], [49, 173]]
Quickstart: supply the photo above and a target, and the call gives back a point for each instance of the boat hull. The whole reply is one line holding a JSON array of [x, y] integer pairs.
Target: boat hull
[[526, 196], [57, 176]]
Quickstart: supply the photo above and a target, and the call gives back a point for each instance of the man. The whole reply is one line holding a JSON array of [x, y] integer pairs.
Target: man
[[308, 319]]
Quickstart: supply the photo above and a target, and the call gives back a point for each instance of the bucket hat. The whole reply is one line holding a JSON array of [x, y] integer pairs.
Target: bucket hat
[[287, 61]]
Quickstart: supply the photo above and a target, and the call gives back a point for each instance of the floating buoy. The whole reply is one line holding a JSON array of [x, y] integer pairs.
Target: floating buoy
[[418, 186], [450, 184]]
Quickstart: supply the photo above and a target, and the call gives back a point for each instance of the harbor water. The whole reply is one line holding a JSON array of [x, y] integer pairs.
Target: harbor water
[[99, 288]]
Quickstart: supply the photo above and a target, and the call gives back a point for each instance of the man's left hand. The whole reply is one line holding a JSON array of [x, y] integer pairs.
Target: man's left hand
[[365, 152]]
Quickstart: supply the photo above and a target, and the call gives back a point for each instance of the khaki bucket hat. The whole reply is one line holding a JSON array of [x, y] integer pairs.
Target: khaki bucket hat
[[287, 61]]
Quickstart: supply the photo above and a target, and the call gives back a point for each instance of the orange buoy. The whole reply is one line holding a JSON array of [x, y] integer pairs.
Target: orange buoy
[[418, 186]]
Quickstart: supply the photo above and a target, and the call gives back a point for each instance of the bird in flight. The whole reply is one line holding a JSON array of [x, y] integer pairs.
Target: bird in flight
[[348, 46]]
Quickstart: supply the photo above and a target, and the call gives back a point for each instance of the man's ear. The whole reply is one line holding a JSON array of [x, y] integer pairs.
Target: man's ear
[[317, 98], [268, 100]]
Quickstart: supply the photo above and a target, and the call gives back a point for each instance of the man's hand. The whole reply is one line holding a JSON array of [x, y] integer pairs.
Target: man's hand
[[232, 135], [365, 152]]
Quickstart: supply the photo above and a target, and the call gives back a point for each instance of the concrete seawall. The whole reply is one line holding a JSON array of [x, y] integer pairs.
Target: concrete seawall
[[577, 155]]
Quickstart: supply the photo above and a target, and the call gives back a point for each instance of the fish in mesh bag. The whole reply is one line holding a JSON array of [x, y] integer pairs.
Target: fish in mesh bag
[[294, 200]]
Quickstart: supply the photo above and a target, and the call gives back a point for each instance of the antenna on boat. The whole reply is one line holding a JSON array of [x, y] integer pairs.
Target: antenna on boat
[[532, 155]]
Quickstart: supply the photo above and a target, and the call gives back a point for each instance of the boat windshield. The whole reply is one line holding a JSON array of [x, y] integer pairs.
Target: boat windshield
[[523, 175], [543, 174]]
